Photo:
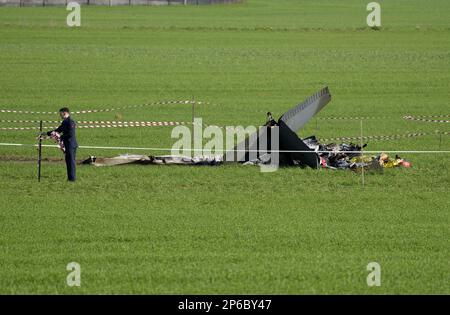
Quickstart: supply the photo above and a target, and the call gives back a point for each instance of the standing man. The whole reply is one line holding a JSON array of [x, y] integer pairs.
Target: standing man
[[67, 128]]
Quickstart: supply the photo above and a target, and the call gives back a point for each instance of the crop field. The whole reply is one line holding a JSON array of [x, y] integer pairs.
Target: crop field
[[228, 229]]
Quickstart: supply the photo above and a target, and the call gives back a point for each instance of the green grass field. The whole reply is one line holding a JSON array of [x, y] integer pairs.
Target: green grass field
[[227, 229]]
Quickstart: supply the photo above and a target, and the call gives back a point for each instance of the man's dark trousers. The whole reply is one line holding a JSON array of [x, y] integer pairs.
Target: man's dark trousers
[[70, 156]]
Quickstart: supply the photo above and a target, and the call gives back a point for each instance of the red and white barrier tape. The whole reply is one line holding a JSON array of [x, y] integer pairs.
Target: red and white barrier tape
[[102, 122], [428, 118], [134, 124], [23, 128], [110, 124], [377, 138], [89, 111], [355, 118]]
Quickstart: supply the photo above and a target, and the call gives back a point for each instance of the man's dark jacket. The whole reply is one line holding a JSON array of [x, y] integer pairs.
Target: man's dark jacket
[[67, 128]]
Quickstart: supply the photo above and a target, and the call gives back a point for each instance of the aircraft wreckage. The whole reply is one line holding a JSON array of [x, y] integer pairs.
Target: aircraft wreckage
[[260, 149]]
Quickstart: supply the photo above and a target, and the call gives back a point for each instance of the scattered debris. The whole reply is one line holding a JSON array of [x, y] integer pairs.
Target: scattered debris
[[387, 162], [333, 155], [293, 151], [153, 160]]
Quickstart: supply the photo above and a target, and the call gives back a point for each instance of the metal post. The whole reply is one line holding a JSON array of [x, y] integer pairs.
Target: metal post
[[362, 154], [40, 151]]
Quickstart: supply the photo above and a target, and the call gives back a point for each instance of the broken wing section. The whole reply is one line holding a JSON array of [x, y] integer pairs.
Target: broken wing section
[[298, 116]]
